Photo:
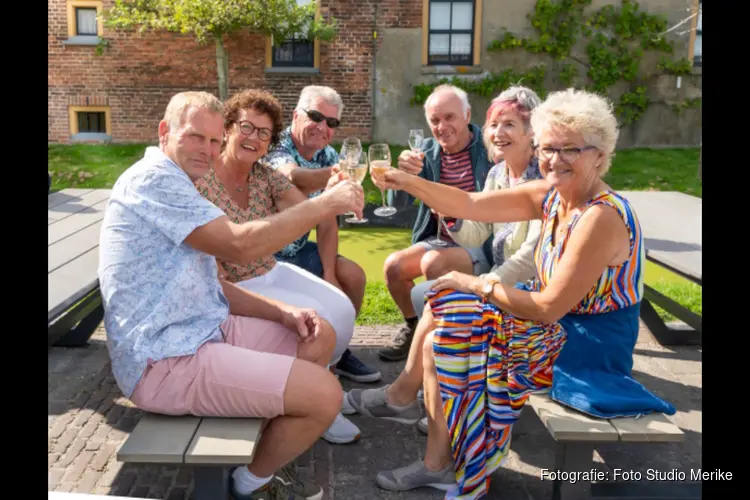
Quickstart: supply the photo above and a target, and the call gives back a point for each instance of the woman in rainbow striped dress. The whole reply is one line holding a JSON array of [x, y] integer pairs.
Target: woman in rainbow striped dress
[[570, 332]]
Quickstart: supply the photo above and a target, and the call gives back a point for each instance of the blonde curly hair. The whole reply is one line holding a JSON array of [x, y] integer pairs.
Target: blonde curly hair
[[581, 111]]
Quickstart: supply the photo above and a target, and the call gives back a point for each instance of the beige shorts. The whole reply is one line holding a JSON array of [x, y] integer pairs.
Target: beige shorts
[[243, 376]]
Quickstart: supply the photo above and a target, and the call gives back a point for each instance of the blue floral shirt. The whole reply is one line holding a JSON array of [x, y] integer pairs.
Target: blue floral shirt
[[286, 152], [162, 298]]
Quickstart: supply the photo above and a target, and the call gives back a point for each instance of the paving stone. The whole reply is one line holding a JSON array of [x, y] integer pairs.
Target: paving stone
[[89, 419]]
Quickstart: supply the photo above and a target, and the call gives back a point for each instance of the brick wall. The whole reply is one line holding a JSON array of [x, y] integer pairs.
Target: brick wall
[[138, 73]]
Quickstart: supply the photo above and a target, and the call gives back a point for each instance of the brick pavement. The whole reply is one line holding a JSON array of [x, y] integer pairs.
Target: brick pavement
[[89, 419]]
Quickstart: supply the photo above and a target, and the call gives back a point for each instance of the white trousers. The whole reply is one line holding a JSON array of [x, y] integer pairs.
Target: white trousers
[[297, 287]]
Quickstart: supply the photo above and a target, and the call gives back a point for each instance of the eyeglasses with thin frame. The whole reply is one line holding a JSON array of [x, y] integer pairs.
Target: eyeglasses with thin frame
[[318, 117], [247, 128], [567, 154]]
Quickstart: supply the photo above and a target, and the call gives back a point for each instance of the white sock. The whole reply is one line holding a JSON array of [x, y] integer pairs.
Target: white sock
[[245, 482]]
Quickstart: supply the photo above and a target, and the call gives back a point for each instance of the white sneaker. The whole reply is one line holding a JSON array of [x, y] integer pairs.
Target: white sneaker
[[346, 406], [341, 431]]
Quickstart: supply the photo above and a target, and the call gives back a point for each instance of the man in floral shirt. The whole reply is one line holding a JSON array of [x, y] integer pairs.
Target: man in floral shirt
[[305, 156]]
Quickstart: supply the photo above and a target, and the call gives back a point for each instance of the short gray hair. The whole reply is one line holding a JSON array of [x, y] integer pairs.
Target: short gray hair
[[460, 93], [181, 102], [587, 113], [328, 94]]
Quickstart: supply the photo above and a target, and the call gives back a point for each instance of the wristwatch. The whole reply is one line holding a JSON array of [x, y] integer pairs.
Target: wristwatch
[[488, 287]]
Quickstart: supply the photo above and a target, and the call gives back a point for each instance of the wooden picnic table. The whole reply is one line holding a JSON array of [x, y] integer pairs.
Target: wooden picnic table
[[74, 309], [671, 223]]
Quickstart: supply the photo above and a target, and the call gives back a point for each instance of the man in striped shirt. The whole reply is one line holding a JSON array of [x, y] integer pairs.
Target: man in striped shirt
[[455, 156]]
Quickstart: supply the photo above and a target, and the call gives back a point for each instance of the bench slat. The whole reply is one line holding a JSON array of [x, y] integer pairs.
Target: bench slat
[[69, 194], [73, 246], [226, 441], [68, 284], [159, 439], [69, 225], [652, 428], [567, 425], [77, 205]]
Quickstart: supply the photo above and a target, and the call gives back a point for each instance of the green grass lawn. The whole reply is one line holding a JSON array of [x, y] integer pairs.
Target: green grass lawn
[[99, 166]]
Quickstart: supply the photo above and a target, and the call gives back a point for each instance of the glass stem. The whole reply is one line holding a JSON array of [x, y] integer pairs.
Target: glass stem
[[440, 226], [382, 196]]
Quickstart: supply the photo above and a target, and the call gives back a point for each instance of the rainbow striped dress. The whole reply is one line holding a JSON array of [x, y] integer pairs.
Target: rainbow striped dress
[[489, 361]]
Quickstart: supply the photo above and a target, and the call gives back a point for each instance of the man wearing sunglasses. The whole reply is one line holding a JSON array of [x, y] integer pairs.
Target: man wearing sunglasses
[[305, 156]]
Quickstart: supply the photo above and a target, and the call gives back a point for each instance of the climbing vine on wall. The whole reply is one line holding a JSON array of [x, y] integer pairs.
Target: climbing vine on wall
[[614, 40]]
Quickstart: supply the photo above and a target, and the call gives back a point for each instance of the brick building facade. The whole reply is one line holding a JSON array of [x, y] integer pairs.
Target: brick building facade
[[380, 52], [131, 81]]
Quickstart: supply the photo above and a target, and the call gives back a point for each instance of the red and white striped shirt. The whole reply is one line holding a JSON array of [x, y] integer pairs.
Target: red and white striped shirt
[[456, 171]]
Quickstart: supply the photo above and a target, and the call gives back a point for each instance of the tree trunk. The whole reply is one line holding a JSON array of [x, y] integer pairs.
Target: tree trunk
[[222, 69]]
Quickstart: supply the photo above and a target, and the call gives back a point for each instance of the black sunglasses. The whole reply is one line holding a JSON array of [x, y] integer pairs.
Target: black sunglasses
[[318, 117]]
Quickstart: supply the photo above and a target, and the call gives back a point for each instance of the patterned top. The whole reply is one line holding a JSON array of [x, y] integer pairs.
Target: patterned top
[[286, 152], [619, 286], [162, 298], [265, 187]]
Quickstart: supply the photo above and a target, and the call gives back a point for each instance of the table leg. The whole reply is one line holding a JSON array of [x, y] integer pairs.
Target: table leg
[[663, 333]]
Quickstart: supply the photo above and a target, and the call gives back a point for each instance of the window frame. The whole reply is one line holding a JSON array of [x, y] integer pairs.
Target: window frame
[[77, 134], [72, 6], [476, 46], [467, 61], [310, 63], [273, 65]]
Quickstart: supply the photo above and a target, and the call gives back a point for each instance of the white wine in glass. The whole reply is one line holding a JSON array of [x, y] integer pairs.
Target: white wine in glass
[[380, 162], [356, 171]]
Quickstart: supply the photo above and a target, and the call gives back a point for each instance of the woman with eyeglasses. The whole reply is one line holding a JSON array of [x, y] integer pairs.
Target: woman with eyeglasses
[[246, 188], [570, 333]]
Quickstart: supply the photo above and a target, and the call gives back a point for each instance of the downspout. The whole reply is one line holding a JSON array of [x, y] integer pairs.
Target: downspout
[[374, 53]]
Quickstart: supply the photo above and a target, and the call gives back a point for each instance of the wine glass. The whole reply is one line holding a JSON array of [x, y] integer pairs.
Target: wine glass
[[416, 137], [351, 148], [380, 162], [357, 172], [438, 242]]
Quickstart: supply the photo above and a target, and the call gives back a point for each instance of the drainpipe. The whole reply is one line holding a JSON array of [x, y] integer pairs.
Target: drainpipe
[[374, 53]]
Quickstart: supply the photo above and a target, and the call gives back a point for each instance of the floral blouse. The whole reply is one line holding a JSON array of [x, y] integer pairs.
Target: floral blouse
[[265, 188]]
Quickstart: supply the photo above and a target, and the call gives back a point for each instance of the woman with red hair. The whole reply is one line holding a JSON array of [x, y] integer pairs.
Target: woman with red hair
[[508, 139]]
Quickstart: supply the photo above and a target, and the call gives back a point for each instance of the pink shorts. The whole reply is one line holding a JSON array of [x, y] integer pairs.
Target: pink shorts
[[243, 376]]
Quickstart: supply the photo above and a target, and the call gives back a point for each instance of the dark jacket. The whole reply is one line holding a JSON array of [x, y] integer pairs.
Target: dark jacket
[[425, 226]]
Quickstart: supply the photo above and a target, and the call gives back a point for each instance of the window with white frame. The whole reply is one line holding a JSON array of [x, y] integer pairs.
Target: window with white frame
[[450, 32]]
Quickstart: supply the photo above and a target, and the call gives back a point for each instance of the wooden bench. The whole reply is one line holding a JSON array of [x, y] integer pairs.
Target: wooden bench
[[577, 435], [74, 304], [210, 445], [671, 224]]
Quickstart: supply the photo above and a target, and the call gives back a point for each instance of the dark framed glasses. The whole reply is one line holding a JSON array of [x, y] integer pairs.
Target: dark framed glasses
[[318, 117], [247, 128], [567, 154]]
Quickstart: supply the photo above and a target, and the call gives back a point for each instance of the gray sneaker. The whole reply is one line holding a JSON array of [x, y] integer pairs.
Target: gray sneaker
[[416, 475], [373, 403]]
